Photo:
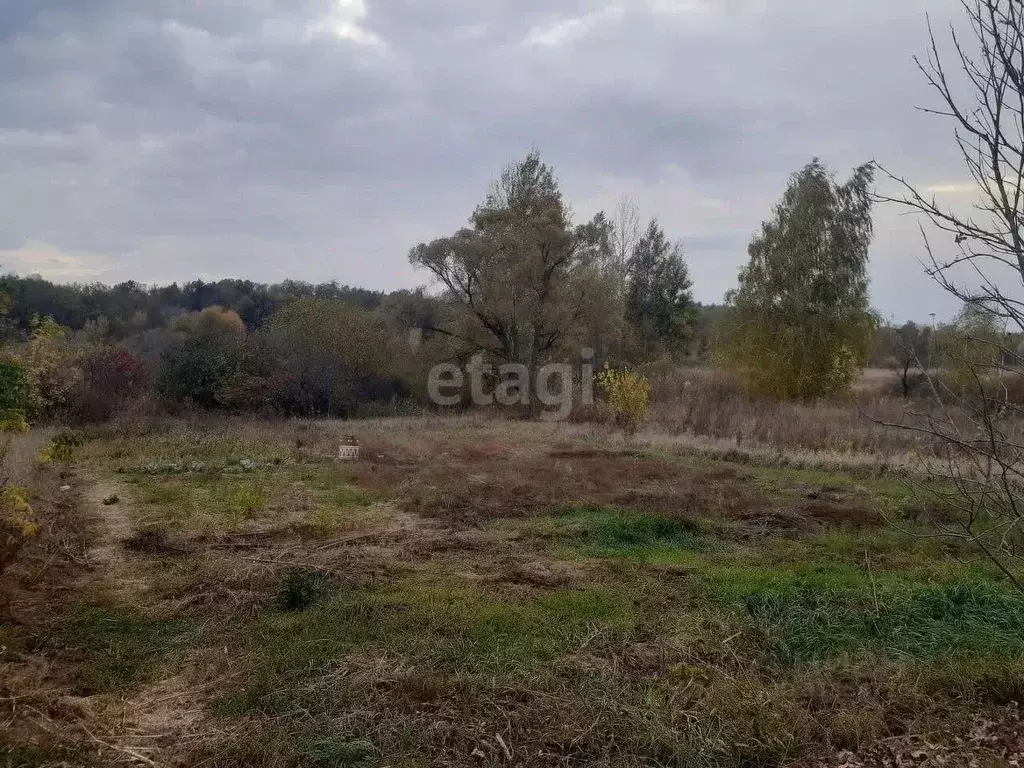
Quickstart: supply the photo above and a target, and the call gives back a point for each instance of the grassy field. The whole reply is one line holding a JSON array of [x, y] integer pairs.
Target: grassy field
[[476, 592]]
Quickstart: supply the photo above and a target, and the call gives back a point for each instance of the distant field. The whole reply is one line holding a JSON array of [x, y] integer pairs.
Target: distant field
[[476, 592], [876, 378]]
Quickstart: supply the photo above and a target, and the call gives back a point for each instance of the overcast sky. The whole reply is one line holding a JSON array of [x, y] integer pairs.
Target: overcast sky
[[163, 140]]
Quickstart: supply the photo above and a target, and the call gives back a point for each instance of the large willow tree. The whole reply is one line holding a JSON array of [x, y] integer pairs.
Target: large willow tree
[[523, 278], [799, 324]]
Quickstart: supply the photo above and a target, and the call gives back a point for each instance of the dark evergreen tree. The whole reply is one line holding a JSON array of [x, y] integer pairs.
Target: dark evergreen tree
[[658, 299]]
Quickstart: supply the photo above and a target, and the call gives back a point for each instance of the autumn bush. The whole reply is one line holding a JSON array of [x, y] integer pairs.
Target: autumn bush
[[17, 520], [110, 378], [52, 369], [313, 357], [53, 379], [626, 394], [62, 446], [17, 524]]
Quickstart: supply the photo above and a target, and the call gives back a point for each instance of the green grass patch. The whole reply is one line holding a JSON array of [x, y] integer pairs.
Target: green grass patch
[[307, 745], [331, 481], [347, 496], [594, 531], [908, 552], [760, 650], [784, 484], [802, 621], [131, 452], [448, 629], [211, 497], [301, 588], [324, 750], [115, 648], [221, 498], [928, 645]]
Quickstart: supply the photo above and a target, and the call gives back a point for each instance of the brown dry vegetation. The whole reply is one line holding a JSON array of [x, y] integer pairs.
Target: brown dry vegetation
[[705, 410], [474, 592]]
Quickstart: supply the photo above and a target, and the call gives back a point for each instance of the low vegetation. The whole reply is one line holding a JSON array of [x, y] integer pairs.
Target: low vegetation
[[477, 591]]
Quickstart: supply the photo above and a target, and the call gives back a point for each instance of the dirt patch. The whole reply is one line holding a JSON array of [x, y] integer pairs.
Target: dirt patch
[[642, 660], [466, 484], [151, 541], [157, 725], [431, 540], [44, 575], [582, 453], [776, 521], [47, 577], [840, 513], [115, 526], [540, 574], [808, 516], [419, 691], [38, 701]]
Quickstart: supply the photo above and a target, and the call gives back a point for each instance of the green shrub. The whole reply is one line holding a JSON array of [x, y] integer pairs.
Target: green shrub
[[109, 378], [204, 359], [62, 446], [330, 357], [53, 370], [15, 395], [800, 324], [301, 588]]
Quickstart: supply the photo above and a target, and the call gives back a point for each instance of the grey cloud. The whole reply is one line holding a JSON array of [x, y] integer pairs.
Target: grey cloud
[[10, 241], [176, 137]]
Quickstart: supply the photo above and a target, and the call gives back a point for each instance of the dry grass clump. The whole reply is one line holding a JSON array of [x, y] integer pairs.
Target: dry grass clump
[[21, 457]]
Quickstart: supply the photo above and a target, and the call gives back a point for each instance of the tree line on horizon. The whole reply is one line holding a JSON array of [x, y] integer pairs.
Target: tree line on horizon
[[522, 284]]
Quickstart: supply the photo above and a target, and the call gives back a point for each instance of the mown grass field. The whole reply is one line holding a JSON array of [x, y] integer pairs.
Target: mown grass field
[[477, 592]]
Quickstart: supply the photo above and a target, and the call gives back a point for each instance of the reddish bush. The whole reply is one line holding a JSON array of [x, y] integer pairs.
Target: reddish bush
[[110, 377]]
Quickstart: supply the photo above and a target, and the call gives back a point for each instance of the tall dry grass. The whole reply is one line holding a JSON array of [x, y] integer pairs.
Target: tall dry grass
[[711, 411], [710, 403], [19, 454]]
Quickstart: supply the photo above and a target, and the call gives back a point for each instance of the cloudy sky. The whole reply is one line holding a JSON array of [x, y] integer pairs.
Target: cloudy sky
[[163, 140]]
